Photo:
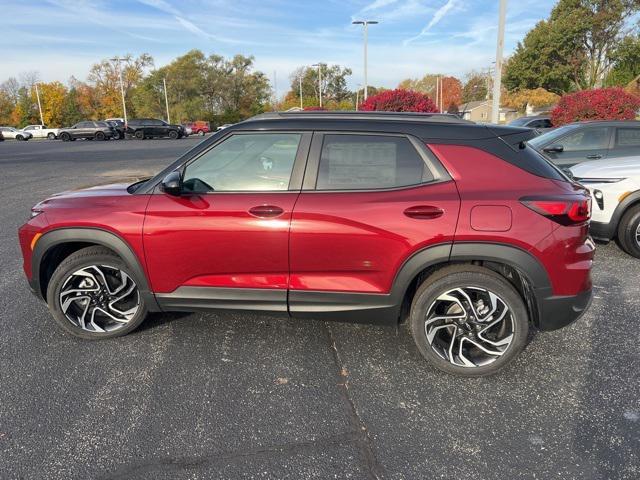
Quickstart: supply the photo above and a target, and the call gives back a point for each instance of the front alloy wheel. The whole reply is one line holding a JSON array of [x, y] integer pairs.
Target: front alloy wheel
[[93, 294], [99, 298]]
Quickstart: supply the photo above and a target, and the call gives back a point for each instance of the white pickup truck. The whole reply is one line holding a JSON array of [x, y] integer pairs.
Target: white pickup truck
[[41, 131]]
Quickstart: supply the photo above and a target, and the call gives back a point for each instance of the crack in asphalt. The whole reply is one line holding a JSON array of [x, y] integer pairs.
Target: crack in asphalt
[[363, 441], [184, 463]]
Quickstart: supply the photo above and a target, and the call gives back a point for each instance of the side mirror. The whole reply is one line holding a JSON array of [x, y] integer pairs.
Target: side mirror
[[555, 148], [172, 184]]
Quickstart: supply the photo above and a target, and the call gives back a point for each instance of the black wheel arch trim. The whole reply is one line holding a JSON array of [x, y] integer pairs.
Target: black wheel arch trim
[[95, 236]]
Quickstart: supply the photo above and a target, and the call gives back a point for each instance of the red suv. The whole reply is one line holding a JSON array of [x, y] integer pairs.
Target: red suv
[[462, 229]]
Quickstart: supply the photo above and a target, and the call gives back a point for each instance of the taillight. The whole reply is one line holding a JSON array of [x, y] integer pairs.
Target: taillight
[[565, 211]]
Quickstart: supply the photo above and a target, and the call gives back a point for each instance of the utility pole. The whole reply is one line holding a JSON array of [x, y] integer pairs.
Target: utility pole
[[124, 105], [357, 96], [275, 89], [319, 65], [301, 75], [365, 24], [497, 82], [39, 106], [166, 100]]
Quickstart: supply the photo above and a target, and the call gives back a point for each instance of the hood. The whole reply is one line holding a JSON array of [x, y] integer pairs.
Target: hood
[[91, 194], [620, 167]]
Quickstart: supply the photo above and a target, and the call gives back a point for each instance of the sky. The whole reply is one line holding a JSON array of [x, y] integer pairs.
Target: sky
[[61, 38]]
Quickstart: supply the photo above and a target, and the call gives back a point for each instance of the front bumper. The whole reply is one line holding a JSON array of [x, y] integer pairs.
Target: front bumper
[[602, 232], [559, 311]]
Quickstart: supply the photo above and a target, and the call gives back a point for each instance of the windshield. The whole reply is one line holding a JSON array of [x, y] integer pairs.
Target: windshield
[[551, 136], [519, 121]]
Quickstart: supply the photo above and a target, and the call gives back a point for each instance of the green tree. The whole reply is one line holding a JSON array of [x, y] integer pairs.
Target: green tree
[[572, 49], [475, 87], [334, 84], [625, 62]]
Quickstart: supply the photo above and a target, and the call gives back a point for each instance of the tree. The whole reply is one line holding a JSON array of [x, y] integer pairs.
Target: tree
[[599, 104], [572, 49], [475, 88], [625, 61], [53, 97], [399, 101], [334, 84], [538, 97], [451, 88]]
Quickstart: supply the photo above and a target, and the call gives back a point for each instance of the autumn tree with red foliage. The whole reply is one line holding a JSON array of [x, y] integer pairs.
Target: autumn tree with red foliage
[[598, 104], [399, 101]]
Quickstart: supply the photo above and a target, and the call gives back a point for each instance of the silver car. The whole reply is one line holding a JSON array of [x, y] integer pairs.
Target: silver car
[[10, 132]]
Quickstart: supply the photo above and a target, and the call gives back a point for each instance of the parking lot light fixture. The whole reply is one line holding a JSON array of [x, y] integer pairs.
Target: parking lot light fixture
[[319, 65], [124, 105], [365, 24]]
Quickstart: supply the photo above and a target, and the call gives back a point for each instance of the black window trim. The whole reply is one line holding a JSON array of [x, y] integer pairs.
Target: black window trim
[[309, 183], [297, 172]]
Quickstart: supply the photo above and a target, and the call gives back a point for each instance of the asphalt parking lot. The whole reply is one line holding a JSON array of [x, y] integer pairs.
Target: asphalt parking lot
[[225, 395]]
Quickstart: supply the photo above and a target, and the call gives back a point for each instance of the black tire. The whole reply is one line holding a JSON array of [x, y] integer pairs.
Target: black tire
[[65, 137], [19, 137], [139, 134], [629, 231], [473, 277], [83, 258], [173, 135], [100, 136], [51, 136]]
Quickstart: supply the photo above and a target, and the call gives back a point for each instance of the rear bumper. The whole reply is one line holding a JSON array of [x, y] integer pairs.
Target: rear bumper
[[602, 232], [559, 311]]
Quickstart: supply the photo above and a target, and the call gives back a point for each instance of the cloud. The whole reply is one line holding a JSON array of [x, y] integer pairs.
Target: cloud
[[437, 17], [378, 4]]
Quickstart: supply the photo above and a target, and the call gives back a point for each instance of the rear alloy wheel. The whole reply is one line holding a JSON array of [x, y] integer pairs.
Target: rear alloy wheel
[[100, 136], [173, 134], [468, 320], [19, 137], [139, 134], [629, 231], [200, 133], [51, 136], [92, 295], [65, 137]]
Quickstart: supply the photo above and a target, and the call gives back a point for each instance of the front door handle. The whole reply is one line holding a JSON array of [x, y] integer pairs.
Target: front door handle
[[424, 212], [595, 156], [266, 211]]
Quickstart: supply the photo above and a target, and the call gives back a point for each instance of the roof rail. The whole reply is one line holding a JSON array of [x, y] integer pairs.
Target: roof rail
[[359, 115]]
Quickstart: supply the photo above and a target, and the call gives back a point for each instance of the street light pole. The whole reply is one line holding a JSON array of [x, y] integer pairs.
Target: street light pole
[[39, 106], [124, 105], [365, 24], [497, 81], [166, 100]]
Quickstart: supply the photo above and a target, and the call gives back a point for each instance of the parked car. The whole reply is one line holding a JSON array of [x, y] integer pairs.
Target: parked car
[[89, 130], [10, 132], [187, 130], [463, 229], [1, 136], [118, 126], [41, 131], [222, 127], [615, 190], [199, 127], [542, 123], [587, 141], [142, 128]]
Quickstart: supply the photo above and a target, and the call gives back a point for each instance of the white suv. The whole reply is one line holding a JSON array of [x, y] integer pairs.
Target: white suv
[[615, 190]]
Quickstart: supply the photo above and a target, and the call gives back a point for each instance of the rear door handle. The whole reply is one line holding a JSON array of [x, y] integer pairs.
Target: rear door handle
[[266, 211], [424, 212], [595, 156]]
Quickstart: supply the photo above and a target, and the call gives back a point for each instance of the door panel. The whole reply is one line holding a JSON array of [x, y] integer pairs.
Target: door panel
[[212, 240], [356, 242]]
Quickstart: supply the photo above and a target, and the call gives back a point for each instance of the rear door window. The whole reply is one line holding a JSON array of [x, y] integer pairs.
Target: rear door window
[[628, 137], [366, 162]]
